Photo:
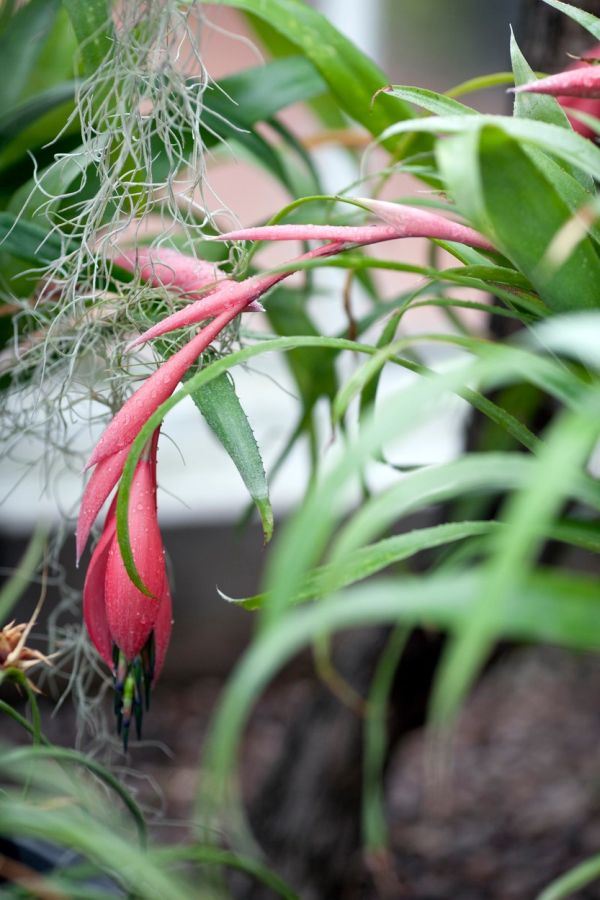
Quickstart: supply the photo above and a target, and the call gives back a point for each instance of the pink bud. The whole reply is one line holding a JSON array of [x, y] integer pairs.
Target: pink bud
[[583, 81], [226, 296], [131, 615], [163, 267], [131, 630]]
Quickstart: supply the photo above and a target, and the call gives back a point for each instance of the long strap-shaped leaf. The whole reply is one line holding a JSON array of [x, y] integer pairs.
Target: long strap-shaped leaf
[[552, 606], [588, 21], [505, 194], [20, 45], [351, 76]]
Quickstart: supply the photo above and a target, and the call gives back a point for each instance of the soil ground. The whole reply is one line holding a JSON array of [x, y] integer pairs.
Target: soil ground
[[517, 804]]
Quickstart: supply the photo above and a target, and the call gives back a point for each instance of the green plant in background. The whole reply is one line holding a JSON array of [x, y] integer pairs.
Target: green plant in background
[[86, 163]]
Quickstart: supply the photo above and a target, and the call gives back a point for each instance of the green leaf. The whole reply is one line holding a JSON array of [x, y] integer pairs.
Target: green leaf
[[261, 92], [374, 827], [438, 104], [220, 406], [55, 61], [277, 46], [481, 83], [365, 379], [368, 393], [92, 24], [565, 145], [509, 198], [14, 120], [551, 606], [370, 560], [65, 755], [21, 43], [21, 578], [27, 241], [575, 335], [484, 472], [569, 884], [541, 108], [217, 856], [314, 373], [65, 825], [585, 19], [528, 515], [352, 77], [498, 365]]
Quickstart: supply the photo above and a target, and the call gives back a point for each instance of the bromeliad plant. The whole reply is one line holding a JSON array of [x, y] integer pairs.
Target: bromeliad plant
[[513, 202]]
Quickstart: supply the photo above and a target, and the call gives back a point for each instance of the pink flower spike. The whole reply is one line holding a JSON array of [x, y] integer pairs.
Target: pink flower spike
[[401, 222], [101, 483], [584, 81], [413, 221], [163, 267], [94, 605], [346, 234], [131, 615], [233, 297], [124, 427]]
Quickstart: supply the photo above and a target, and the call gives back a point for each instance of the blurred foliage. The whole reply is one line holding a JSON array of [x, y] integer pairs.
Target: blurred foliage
[[522, 181]]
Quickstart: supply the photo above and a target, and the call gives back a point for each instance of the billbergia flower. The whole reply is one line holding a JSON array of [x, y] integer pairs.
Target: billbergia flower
[[400, 222], [131, 629]]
